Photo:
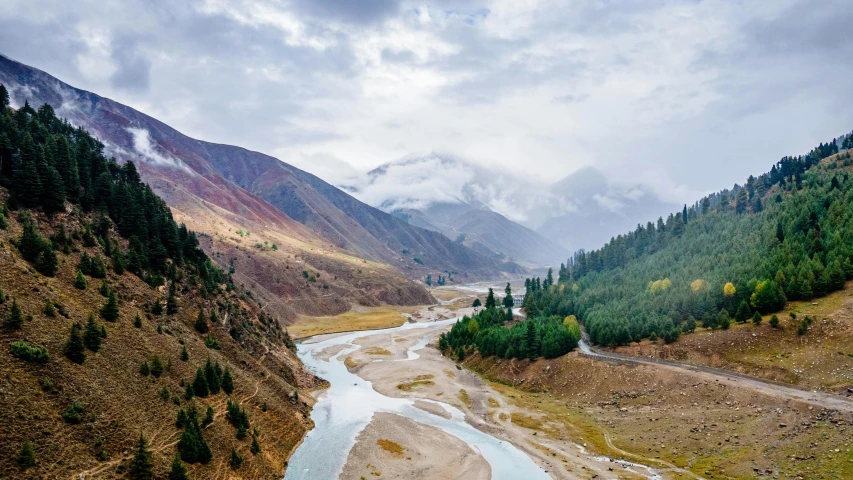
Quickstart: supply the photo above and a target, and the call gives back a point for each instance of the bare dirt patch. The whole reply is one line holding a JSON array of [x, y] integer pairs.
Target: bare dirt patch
[[397, 447]]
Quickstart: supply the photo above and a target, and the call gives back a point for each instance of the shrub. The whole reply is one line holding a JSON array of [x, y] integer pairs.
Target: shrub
[[774, 321], [73, 414], [27, 455], [80, 282], [49, 309], [211, 343], [29, 352]]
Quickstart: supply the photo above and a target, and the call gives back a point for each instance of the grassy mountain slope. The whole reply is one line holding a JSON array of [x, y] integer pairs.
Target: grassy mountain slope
[[347, 222], [84, 242]]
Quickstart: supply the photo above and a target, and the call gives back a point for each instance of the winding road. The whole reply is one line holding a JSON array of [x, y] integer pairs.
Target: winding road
[[779, 390]]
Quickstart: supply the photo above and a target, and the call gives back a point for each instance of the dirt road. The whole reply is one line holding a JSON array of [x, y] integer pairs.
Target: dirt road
[[779, 390]]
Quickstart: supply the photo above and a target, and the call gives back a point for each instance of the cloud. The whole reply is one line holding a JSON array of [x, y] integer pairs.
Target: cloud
[[419, 181], [147, 152], [681, 96]]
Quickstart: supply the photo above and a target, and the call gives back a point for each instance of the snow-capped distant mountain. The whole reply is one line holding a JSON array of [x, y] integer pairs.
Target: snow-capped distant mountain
[[504, 214], [483, 209]]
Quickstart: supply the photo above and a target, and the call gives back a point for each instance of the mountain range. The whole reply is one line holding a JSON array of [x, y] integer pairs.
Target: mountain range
[[503, 214], [272, 224]]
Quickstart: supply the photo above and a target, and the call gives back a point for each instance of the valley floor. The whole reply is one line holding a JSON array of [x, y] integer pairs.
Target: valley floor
[[579, 417]]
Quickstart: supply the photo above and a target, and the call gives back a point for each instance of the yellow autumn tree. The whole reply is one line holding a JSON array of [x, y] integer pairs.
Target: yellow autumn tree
[[473, 326], [699, 285], [660, 285], [573, 326], [729, 289]]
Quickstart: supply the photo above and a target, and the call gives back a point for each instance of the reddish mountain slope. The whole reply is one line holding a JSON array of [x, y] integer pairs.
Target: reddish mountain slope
[[240, 227]]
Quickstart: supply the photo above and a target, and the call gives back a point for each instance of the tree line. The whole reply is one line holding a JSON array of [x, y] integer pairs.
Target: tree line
[[783, 235], [487, 331], [47, 163]]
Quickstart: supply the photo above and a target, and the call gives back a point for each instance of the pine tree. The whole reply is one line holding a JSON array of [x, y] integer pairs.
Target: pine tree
[[743, 312], [741, 202], [109, 311], [92, 335], [80, 282], [236, 459], [156, 366], [477, 303], [137, 321], [256, 447], [53, 195], [508, 302], [4, 98], [27, 182], [192, 446], [15, 318], [144, 369], [490, 299], [774, 321], [75, 350], [179, 470], [201, 323], [212, 377], [171, 301], [227, 382], [531, 340], [142, 465], [104, 289], [46, 262], [27, 455], [181, 420], [200, 384], [185, 355], [208, 417], [756, 319]]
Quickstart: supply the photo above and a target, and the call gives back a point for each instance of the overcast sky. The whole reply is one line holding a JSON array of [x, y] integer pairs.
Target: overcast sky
[[686, 96]]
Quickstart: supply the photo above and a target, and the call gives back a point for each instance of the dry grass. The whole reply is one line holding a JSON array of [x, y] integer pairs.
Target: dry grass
[[526, 421], [493, 403], [393, 448], [465, 398], [449, 373], [648, 415], [376, 351], [367, 319], [350, 363], [419, 381]]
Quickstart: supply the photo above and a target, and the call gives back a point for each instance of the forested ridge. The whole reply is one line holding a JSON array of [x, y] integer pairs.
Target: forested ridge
[[44, 162], [784, 235], [121, 341]]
